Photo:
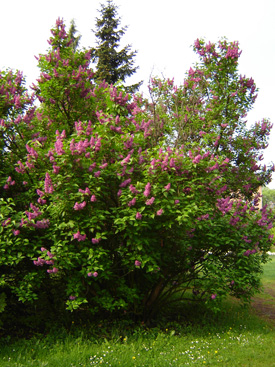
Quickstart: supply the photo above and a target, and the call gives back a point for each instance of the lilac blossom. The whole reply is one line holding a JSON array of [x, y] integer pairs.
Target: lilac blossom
[[160, 212], [85, 192], [150, 201], [50, 254], [137, 263], [59, 147], [97, 174], [197, 159], [92, 166], [133, 189], [249, 252], [138, 215], [147, 189], [31, 151], [234, 220], [125, 160], [203, 217], [48, 184], [6, 222], [42, 224], [93, 198], [79, 237], [39, 262], [132, 202], [79, 206], [224, 205], [172, 163], [125, 183], [50, 262], [104, 165], [21, 168], [98, 145], [56, 169], [212, 168], [94, 274]]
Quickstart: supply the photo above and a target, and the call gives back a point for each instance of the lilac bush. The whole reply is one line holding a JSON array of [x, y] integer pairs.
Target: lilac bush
[[126, 201]]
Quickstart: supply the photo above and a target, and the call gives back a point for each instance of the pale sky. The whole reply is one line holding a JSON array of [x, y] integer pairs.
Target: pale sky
[[161, 31]]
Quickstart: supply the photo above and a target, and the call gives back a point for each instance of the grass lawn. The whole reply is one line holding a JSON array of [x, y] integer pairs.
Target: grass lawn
[[236, 337]]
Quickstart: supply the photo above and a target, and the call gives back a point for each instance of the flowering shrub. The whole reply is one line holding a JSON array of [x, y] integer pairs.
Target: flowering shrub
[[125, 201]]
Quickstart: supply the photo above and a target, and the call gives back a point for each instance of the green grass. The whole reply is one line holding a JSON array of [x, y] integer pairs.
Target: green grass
[[269, 272], [248, 344], [235, 337]]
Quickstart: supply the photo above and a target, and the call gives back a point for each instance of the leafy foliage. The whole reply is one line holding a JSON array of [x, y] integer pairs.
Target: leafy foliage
[[123, 202]]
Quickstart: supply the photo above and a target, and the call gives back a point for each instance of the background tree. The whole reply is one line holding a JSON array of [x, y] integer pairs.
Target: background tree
[[111, 63], [72, 36], [268, 197]]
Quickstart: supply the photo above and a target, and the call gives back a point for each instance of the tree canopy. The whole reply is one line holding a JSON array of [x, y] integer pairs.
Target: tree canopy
[[112, 202], [268, 197]]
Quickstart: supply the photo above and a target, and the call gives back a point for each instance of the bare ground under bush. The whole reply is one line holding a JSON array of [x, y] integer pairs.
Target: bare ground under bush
[[264, 305]]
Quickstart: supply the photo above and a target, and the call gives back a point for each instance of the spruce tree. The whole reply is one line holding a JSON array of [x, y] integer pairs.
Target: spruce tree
[[112, 64], [72, 36]]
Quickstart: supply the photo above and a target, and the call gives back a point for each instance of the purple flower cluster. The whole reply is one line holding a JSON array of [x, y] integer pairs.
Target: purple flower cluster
[[79, 206], [125, 160], [147, 190], [233, 51], [42, 224], [133, 189], [59, 146], [79, 237], [132, 202], [125, 183], [85, 192], [9, 183], [41, 194], [224, 205], [36, 212], [21, 168], [150, 201], [40, 261], [249, 252], [203, 217], [48, 184], [138, 215], [95, 274]]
